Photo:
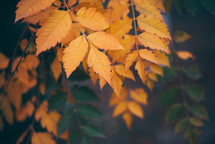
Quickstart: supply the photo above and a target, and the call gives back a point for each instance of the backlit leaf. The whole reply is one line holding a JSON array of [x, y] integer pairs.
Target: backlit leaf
[[27, 8], [74, 54], [92, 19], [105, 41], [139, 95], [53, 30], [185, 55], [135, 109], [100, 63], [120, 108], [4, 61], [42, 138]]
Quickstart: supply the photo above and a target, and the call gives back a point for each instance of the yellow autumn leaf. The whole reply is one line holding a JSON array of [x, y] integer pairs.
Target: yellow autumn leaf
[[49, 121], [116, 83], [74, 54], [120, 108], [41, 111], [39, 17], [42, 138], [127, 117], [100, 63], [120, 55], [71, 35], [154, 26], [27, 8], [153, 42], [130, 59], [120, 69], [102, 82], [153, 76], [116, 99], [4, 61], [25, 111], [14, 94], [150, 84], [105, 41], [156, 69], [139, 95], [7, 111], [146, 8], [53, 30], [185, 55], [56, 68], [135, 109], [120, 27], [162, 58], [31, 61], [94, 77], [92, 19], [148, 55], [140, 67]]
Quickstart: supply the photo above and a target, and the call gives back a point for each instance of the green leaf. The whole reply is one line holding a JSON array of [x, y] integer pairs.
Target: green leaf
[[199, 111], [195, 121], [195, 92], [86, 140], [169, 96], [190, 135], [64, 123], [88, 112], [92, 131], [192, 6], [174, 112], [84, 94], [209, 5], [192, 72], [57, 101], [74, 138], [181, 125], [79, 75], [169, 74]]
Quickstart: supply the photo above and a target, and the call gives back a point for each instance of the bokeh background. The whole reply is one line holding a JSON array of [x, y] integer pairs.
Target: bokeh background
[[152, 129]]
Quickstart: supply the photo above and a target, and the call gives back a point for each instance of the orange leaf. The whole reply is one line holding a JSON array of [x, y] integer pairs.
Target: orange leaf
[[53, 30], [102, 83], [92, 19], [41, 16], [94, 77], [42, 138], [140, 67], [105, 41], [4, 61], [127, 117], [7, 110], [148, 55], [56, 68], [50, 121], [139, 95], [135, 109], [116, 99], [185, 55], [27, 8], [153, 42], [156, 69], [154, 26], [162, 58], [120, 108], [120, 69], [74, 54], [130, 59], [31, 61], [100, 63], [116, 83], [2, 79]]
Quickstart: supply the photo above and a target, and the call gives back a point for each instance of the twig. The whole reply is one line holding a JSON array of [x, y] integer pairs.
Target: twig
[[12, 74], [30, 127]]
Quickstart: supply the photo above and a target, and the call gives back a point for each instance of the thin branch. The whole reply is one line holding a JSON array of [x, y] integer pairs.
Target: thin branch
[[135, 24], [12, 74], [181, 83], [21, 138]]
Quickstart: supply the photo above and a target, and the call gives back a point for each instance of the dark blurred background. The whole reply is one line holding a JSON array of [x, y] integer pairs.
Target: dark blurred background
[[152, 129]]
